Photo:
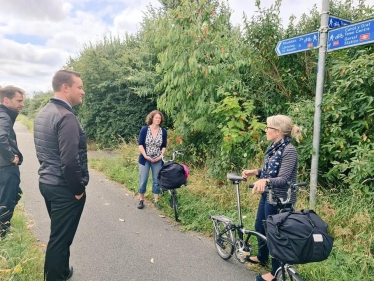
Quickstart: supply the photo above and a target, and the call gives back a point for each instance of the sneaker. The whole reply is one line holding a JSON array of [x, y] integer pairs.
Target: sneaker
[[141, 204], [157, 205]]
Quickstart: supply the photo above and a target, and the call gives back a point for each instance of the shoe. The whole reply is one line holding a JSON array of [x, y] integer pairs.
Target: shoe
[[256, 262], [157, 205], [70, 273], [141, 204], [4, 229], [3, 233], [259, 278]]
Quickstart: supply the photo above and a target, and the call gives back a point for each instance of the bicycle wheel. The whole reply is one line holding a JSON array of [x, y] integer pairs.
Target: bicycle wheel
[[290, 274], [174, 203], [224, 239]]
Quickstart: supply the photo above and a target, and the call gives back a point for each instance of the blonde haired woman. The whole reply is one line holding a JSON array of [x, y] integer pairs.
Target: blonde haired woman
[[279, 168]]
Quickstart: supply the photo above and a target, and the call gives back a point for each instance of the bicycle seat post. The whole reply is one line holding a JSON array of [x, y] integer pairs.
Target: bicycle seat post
[[236, 179], [237, 182]]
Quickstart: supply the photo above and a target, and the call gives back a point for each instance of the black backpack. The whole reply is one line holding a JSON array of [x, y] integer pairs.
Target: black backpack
[[298, 237], [171, 176]]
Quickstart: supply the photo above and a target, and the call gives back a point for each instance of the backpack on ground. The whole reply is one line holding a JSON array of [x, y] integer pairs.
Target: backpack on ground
[[172, 176], [298, 237]]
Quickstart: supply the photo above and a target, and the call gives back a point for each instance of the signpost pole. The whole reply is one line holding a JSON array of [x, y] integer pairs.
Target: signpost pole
[[318, 101]]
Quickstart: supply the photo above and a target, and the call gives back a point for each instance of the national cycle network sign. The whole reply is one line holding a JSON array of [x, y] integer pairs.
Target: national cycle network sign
[[298, 44], [336, 22], [351, 35]]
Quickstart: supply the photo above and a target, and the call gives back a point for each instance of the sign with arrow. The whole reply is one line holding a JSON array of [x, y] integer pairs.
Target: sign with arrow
[[351, 35], [298, 44], [335, 22]]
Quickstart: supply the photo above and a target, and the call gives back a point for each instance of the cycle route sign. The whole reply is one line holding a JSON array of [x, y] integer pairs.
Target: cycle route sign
[[351, 35], [336, 22], [297, 44]]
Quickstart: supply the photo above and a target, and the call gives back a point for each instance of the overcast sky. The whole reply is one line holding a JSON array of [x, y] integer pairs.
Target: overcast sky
[[38, 36]]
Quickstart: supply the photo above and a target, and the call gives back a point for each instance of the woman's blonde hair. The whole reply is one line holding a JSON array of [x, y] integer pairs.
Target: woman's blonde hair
[[149, 119], [285, 125]]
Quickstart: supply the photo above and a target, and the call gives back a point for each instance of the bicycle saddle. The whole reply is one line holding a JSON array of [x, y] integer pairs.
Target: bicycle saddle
[[235, 177]]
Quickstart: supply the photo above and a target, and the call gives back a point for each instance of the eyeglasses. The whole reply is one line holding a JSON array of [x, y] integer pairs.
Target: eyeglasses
[[267, 127]]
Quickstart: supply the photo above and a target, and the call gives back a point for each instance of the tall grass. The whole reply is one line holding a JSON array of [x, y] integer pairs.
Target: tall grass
[[349, 215], [21, 255]]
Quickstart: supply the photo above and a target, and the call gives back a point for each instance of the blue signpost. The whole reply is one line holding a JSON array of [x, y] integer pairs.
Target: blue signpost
[[336, 34], [335, 22], [297, 44], [351, 35]]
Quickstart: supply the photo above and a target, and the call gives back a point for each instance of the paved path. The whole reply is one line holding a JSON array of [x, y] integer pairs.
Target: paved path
[[143, 247]]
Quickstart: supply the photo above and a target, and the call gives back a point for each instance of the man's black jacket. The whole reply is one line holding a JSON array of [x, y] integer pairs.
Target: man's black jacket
[[8, 140], [61, 147]]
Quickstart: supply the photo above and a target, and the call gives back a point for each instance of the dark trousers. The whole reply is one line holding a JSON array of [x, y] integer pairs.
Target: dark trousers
[[65, 212], [263, 211], [10, 193]]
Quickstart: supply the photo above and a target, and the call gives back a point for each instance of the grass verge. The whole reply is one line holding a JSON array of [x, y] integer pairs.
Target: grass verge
[[26, 121], [21, 256]]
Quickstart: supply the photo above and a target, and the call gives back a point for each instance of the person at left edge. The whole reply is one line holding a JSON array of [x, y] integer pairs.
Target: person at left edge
[[61, 148], [11, 99]]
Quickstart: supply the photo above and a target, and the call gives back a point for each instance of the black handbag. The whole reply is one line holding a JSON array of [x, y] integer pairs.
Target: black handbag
[[298, 237]]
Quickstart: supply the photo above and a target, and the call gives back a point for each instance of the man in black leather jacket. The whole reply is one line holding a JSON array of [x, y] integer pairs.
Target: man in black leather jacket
[[61, 148], [11, 99]]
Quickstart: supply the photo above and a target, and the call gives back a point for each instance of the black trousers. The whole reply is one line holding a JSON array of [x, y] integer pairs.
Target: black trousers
[[65, 212], [264, 210], [10, 193]]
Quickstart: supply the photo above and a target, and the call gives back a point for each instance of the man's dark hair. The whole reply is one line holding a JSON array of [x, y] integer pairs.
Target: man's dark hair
[[63, 77], [9, 92]]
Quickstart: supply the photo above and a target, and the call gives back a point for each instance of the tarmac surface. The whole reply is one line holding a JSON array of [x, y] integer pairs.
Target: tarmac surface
[[115, 241]]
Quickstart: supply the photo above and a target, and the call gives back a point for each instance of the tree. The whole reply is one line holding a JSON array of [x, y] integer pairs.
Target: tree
[[201, 66], [111, 110]]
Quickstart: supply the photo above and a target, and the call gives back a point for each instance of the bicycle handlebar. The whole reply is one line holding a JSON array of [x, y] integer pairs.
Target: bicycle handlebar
[[274, 200], [173, 156], [295, 185]]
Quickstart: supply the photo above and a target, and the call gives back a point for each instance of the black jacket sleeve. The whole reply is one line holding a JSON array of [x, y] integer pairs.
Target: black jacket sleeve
[[68, 139], [5, 148]]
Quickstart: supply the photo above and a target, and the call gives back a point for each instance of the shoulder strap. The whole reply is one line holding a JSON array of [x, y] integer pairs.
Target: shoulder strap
[[308, 212]]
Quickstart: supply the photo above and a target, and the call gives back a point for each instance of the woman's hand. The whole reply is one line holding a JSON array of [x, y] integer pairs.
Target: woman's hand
[[148, 158], [153, 160], [260, 186], [248, 173]]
